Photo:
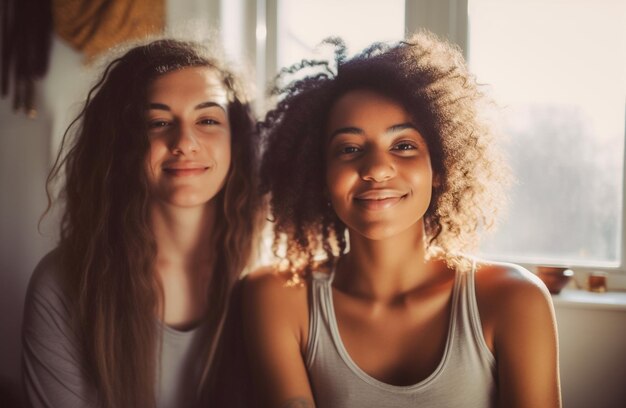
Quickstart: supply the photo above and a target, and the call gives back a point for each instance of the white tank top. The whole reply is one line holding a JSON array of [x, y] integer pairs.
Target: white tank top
[[465, 376]]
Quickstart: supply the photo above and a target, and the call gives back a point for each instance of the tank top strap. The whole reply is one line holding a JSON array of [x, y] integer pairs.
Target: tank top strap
[[318, 298], [469, 315]]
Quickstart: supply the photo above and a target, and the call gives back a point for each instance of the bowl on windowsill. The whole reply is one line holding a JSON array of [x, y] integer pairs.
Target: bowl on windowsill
[[555, 277]]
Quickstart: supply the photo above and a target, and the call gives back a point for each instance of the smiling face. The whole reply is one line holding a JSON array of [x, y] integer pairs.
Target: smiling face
[[189, 134], [379, 175]]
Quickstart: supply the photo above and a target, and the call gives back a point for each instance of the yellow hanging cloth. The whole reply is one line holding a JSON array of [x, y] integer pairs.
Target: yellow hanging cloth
[[94, 26]]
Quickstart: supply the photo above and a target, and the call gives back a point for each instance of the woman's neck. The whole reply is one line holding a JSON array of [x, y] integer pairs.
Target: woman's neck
[[382, 270], [184, 236], [184, 261]]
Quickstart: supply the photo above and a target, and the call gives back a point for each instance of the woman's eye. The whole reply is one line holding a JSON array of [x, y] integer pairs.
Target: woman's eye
[[348, 150], [155, 124], [208, 122], [404, 146]]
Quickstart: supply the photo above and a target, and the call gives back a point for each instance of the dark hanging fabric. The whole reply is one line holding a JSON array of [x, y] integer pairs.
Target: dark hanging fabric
[[26, 27], [90, 26], [5, 46]]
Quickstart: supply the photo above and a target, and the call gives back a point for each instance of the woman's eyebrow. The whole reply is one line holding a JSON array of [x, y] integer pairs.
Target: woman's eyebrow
[[202, 105], [349, 130], [159, 106], [358, 131], [209, 104], [400, 127]]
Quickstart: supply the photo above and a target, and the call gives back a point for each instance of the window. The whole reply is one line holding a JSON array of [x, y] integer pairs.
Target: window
[[303, 24], [558, 70]]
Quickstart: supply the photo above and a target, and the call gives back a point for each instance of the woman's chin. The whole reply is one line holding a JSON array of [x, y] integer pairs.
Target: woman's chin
[[193, 200]]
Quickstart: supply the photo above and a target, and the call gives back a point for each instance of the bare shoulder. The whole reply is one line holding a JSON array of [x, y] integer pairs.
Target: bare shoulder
[[271, 297], [274, 285], [506, 295], [275, 321], [519, 327], [501, 284]]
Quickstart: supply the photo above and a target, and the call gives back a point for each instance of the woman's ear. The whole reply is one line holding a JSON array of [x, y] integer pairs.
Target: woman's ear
[[436, 181], [326, 195]]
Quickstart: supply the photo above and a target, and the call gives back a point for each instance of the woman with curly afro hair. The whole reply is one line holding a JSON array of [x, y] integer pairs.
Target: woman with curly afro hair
[[383, 173]]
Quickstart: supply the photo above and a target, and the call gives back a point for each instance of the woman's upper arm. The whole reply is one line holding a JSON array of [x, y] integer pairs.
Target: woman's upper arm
[[273, 315], [52, 371], [526, 345]]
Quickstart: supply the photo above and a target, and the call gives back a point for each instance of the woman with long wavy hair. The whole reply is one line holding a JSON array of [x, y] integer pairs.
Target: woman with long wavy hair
[[161, 212]]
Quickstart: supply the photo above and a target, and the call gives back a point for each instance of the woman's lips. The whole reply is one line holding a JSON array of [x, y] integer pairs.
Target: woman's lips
[[184, 171], [371, 201]]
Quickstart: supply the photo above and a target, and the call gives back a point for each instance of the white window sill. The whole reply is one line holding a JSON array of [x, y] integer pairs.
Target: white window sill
[[575, 298]]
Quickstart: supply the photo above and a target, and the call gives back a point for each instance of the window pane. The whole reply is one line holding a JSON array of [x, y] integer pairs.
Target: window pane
[[558, 69], [303, 24]]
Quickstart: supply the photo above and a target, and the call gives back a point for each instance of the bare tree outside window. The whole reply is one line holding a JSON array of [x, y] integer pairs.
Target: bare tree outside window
[[558, 69]]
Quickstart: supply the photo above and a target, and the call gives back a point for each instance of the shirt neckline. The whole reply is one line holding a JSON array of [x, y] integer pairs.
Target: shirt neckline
[[347, 359]]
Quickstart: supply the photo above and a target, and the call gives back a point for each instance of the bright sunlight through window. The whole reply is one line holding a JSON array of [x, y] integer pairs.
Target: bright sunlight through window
[[303, 24], [558, 70]]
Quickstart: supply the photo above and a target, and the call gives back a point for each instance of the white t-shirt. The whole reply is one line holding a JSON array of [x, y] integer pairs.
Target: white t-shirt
[[52, 366]]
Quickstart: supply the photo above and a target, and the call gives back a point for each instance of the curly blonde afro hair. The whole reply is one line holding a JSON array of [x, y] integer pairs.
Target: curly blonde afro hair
[[430, 79]]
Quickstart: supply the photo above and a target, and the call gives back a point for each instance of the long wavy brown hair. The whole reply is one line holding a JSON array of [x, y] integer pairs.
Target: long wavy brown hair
[[107, 246], [429, 78]]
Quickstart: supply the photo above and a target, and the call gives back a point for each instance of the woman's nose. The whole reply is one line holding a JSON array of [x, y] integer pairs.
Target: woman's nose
[[377, 167], [184, 140]]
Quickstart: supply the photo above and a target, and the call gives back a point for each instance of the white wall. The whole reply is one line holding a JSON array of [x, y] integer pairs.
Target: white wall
[[24, 161], [593, 355], [26, 155]]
